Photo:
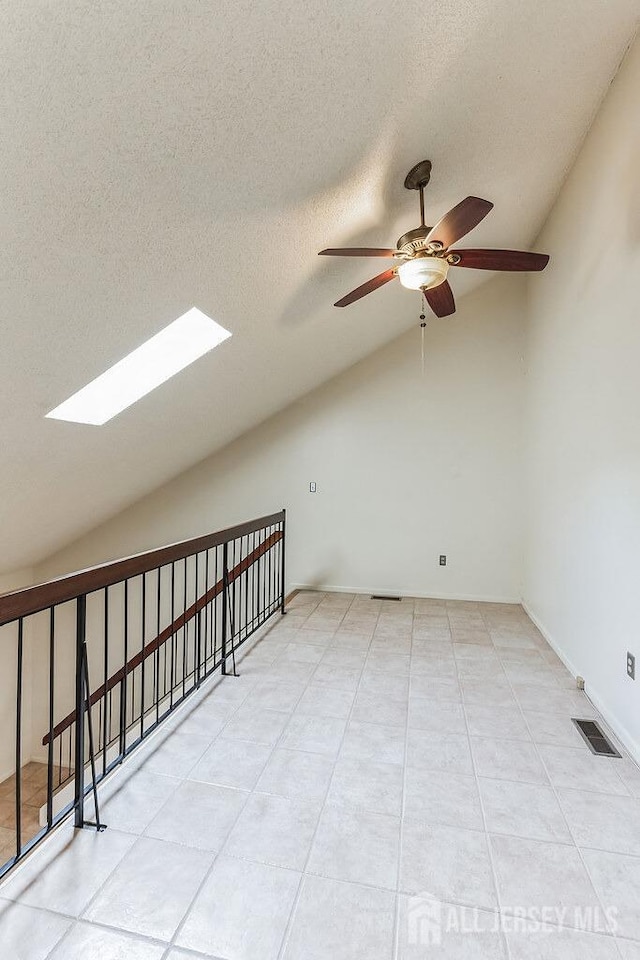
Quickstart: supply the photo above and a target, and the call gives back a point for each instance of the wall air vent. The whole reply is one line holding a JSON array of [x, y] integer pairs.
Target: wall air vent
[[375, 596], [595, 738]]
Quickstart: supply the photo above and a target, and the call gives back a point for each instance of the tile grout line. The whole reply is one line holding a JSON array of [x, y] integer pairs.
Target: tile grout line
[[399, 893], [116, 931], [505, 939], [134, 768], [275, 746], [494, 873], [141, 835], [289, 926], [531, 740], [571, 834], [172, 943]]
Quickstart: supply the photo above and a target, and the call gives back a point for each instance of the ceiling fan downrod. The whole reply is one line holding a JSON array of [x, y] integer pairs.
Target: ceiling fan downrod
[[417, 179]]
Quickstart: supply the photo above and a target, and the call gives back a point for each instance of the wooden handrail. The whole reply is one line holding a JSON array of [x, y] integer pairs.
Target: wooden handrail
[[169, 631], [23, 603]]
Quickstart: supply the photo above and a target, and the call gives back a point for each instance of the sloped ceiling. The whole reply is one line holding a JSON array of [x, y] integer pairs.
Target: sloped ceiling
[[161, 155]]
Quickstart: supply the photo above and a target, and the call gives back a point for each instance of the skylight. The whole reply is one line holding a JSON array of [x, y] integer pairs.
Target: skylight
[[145, 368]]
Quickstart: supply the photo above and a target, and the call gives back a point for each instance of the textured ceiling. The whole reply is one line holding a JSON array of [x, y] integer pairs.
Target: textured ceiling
[[161, 155]]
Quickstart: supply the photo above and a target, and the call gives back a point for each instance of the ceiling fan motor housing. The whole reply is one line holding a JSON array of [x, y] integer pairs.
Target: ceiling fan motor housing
[[413, 241]]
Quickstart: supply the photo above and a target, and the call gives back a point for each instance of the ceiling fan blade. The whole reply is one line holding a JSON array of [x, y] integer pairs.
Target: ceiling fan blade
[[459, 221], [440, 299], [501, 259], [357, 252], [366, 288]]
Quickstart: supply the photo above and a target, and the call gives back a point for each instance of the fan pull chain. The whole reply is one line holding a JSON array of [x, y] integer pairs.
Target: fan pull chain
[[422, 326]]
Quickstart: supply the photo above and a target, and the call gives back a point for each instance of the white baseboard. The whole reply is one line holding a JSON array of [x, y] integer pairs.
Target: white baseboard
[[382, 591], [629, 742], [573, 670]]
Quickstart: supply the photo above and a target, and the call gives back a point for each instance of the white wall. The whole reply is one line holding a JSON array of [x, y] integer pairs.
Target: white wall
[[16, 580], [8, 681], [407, 467], [582, 580]]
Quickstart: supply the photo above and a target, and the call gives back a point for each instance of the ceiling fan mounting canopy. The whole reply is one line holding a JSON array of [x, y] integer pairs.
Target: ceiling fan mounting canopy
[[419, 176], [426, 255]]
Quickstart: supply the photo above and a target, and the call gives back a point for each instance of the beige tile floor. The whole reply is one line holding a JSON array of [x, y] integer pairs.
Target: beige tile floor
[[385, 781]]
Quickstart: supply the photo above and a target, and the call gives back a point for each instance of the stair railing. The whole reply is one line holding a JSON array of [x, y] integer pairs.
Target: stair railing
[[147, 630]]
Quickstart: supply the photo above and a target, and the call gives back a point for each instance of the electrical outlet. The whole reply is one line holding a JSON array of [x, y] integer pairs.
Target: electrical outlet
[[631, 665], [443, 560], [312, 487]]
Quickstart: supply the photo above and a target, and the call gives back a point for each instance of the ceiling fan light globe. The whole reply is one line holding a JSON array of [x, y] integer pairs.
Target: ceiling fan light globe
[[422, 273]]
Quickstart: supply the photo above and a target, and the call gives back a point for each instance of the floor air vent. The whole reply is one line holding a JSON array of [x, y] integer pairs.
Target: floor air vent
[[595, 738], [375, 596]]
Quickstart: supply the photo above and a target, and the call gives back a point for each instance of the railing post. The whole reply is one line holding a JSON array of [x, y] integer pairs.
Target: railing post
[[81, 628], [123, 684], [282, 563], [225, 599]]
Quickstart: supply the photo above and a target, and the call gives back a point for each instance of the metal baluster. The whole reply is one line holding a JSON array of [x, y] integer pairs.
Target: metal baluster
[[197, 652], [156, 658], [272, 570], [166, 668], [185, 631], [283, 545], [253, 582], [225, 587], [81, 628], [142, 665], [123, 684], [263, 562], [218, 618], [173, 635], [110, 704], [232, 612], [246, 590], [206, 609], [52, 630], [106, 716], [19, 738]]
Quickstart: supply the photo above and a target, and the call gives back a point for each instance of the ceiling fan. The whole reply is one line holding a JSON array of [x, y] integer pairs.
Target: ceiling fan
[[426, 252]]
